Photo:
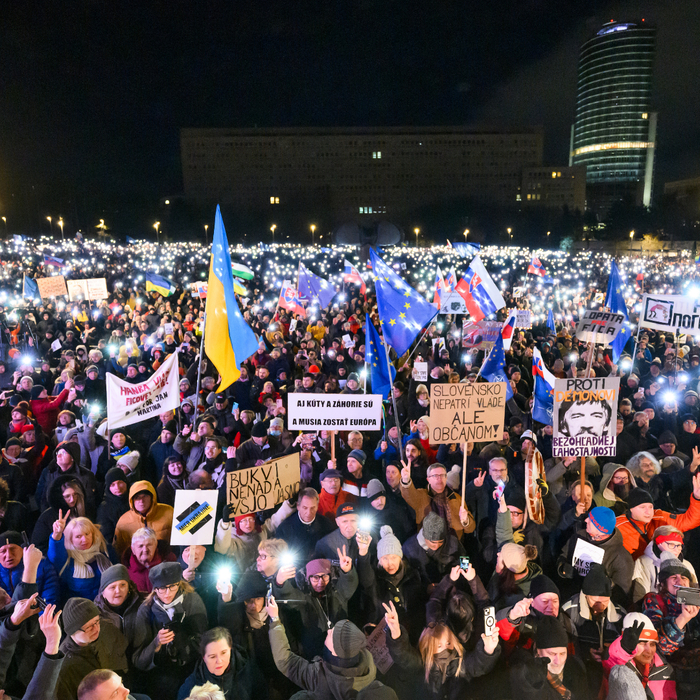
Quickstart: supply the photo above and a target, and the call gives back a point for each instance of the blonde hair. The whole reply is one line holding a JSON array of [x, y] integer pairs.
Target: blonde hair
[[428, 643], [208, 691], [273, 547], [83, 525]]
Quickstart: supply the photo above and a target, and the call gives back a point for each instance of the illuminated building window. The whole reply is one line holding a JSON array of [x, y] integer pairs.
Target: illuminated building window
[[274, 200], [554, 174], [645, 115], [376, 154]]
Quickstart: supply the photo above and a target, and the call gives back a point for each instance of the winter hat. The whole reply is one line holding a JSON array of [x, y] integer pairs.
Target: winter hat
[[596, 582], [92, 368], [673, 567], [10, 537], [542, 584], [550, 633], [516, 497], [259, 430], [165, 574], [27, 428], [377, 691], [36, 391], [251, 585], [359, 455], [112, 475], [638, 497], [434, 528], [529, 435], [331, 474], [649, 631], [130, 460], [348, 639], [389, 543], [13, 442], [78, 612], [375, 488], [118, 572], [237, 521], [671, 463], [454, 477], [513, 557], [19, 408], [603, 519], [515, 421], [624, 684], [171, 426], [318, 566], [346, 509], [667, 437], [353, 375]]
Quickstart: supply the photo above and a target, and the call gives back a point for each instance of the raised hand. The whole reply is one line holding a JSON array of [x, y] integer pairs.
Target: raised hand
[[695, 463], [696, 487], [405, 472], [363, 542], [186, 430], [490, 642], [455, 572], [630, 637], [272, 608], [392, 620], [60, 525], [285, 573], [165, 636], [345, 560], [51, 628], [24, 609], [226, 590], [520, 609], [479, 480], [231, 452], [464, 515]]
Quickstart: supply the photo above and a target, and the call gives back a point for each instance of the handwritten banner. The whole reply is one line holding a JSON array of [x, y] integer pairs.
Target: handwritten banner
[[52, 286]]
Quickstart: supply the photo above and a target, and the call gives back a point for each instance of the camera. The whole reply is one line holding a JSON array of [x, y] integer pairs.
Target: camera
[[688, 596], [464, 563]]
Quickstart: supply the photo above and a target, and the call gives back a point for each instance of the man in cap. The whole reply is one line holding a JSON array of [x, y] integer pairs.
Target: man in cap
[[600, 531], [26, 571], [389, 511], [332, 495], [668, 447], [190, 443], [225, 420], [161, 449], [260, 448], [90, 643], [347, 518], [355, 482], [352, 386]]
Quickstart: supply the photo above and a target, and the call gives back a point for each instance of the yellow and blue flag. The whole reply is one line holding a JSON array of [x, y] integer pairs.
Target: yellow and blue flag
[[156, 283], [403, 312], [381, 373], [228, 339]]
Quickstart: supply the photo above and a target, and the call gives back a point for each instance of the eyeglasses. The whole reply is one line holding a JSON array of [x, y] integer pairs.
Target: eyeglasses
[[89, 628], [677, 546], [170, 587], [316, 578], [441, 475]]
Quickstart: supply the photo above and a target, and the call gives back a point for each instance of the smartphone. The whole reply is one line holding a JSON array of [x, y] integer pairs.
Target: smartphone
[[464, 563], [280, 403], [40, 603], [501, 487], [489, 620], [688, 596]]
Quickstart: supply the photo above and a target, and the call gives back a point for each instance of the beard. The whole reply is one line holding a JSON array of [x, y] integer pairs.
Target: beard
[[621, 490]]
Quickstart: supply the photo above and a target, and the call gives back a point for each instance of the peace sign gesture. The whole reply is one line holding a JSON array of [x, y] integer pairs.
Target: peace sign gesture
[[60, 525], [392, 620], [345, 560], [405, 473]]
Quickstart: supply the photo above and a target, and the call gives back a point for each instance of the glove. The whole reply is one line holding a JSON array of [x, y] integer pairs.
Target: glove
[[630, 637], [543, 486], [228, 511]]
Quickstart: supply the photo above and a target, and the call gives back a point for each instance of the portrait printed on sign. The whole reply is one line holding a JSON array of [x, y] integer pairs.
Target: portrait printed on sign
[[585, 417]]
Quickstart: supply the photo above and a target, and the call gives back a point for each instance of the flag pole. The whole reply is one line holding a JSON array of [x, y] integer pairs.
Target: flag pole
[[199, 370], [589, 365], [415, 347], [393, 398]]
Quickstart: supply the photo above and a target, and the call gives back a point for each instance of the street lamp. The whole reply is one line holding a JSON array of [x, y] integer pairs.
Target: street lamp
[[4, 220], [416, 231], [466, 233], [206, 234], [60, 225], [48, 218], [313, 229], [272, 228], [632, 235], [548, 232], [156, 226], [510, 230]]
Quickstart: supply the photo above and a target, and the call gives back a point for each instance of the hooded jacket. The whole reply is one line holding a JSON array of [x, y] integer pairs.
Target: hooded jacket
[[159, 518], [605, 496], [53, 471]]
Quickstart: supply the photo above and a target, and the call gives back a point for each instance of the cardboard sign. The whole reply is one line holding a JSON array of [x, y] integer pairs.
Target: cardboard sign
[[52, 286], [77, 289], [376, 645], [670, 313], [263, 487], [452, 303], [481, 335], [348, 342], [168, 328], [467, 412], [97, 289], [194, 518], [599, 327], [132, 403], [421, 371], [523, 318], [586, 554], [334, 411], [585, 417]]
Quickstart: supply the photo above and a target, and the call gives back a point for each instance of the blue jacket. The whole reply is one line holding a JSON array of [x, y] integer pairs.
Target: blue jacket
[[70, 586], [46, 580]]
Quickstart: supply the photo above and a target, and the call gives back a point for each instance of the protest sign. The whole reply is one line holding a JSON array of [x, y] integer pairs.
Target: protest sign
[[480, 335], [52, 286], [168, 328], [585, 417], [348, 342], [133, 403], [452, 303], [336, 412], [586, 554], [56, 345], [523, 318], [670, 313], [97, 289], [467, 412], [263, 487], [599, 327], [376, 645], [420, 371], [194, 517], [77, 289]]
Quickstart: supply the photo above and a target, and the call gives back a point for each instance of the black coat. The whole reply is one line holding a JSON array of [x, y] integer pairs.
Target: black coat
[[528, 678], [109, 511], [242, 681]]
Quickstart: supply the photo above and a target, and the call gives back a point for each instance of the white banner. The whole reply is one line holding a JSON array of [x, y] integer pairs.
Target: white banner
[[670, 313], [195, 517], [334, 411], [452, 303], [599, 327], [133, 403]]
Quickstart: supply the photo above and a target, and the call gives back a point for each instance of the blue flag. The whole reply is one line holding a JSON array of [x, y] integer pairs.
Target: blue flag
[[311, 287], [616, 303], [467, 250], [30, 289], [129, 239], [381, 373], [550, 322], [403, 312], [494, 369], [543, 407]]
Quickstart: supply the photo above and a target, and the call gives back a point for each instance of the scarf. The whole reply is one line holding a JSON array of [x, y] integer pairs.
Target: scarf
[[257, 620], [169, 608], [558, 684], [83, 558], [439, 505], [120, 453], [395, 579], [442, 661]]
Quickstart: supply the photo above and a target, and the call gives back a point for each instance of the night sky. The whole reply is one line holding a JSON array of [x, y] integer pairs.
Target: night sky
[[94, 92]]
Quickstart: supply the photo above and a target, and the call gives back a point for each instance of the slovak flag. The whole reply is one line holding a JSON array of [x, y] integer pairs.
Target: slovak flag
[[479, 291], [352, 276], [537, 268], [440, 287], [543, 407], [288, 299], [451, 280], [508, 330]]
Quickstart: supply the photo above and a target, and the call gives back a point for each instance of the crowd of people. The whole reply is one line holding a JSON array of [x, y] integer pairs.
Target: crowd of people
[[376, 579]]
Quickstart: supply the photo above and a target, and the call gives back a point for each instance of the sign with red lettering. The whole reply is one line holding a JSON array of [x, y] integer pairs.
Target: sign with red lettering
[[132, 403]]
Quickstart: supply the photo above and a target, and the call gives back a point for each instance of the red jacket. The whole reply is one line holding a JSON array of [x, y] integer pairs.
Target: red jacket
[[46, 411]]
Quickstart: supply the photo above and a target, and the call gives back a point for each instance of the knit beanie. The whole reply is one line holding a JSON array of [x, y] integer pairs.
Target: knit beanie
[[513, 557], [454, 477], [667, 437], [434, 527], [637, 497], [542, 584], [10, 537], [516, 497], [318, 567], [76, 613], [165, 574], [359, 455], [672, 567], [36, 391], [550, 633], [251, 585], [389, 543], [118, 572], [112, 475], [171, 427], [624, 684], [375, 488], [259, 430], [649, 631], [596, 582], [603, 519], [348, 640]]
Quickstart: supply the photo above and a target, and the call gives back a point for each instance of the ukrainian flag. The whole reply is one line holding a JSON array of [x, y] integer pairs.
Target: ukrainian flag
[[228, 339], [156, 283]]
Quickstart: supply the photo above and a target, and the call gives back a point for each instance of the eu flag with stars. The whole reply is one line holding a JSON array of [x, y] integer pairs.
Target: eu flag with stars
[[403, 312], [616, 303], [494, 369], [381, 373], [311, 287]]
